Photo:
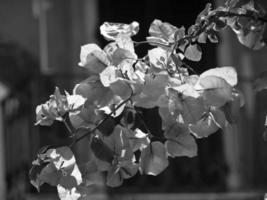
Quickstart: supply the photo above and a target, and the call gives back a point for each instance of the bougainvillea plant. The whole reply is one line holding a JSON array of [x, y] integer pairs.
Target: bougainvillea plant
[[105, 107]]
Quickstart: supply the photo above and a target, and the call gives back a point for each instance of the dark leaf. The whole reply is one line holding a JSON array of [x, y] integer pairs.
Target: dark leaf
[[260, 83], [101, 150], [179, 141]]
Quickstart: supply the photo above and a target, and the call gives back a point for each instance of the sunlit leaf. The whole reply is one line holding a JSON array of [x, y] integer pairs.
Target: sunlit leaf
[[162, 30], [153, 159], [111, 31], [93, 58], [125, 42], [94, 91], [61, 171], [156, 41], [227, 73], [216, 90], [109, 75], [65, 194], [138, 139], [75, 102], [158, 57], [193, 52]]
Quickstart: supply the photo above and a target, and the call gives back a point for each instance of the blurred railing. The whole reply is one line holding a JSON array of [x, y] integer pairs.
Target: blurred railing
[[17, 129]]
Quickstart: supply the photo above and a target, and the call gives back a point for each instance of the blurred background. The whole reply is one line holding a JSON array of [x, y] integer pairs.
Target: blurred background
[[39, 49]]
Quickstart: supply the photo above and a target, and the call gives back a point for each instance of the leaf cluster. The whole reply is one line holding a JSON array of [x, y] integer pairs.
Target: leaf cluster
[[106, 108]]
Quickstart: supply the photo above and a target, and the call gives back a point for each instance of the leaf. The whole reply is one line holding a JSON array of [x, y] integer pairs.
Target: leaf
[[179, 141], [122, 88], [86, 118], [93, 90], [93, 58], [153, 159], [158, 57], [212, 36], [58, 168], [111, 31], [53, 109], [204, 127], [216, 90], [191, 109], [50, 175], [120, 55], [64, 160], [249, 32], [260, 83], [231, 3], [114, 178], [154, 87], [101, 150], [202, 38], [138, 139], [117, 174], [65, 194], [232, 108], [204, 13], [107, 127], [109, 75], [115, 107], [41, 119], [187, 90], [75, 102], [227, 73], [252, 40], [34, 174], [193, 52], [125, 42], [156, 41], [162, 30]]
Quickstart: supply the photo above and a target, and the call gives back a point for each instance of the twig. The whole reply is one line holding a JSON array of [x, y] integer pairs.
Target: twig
[[68, 127]]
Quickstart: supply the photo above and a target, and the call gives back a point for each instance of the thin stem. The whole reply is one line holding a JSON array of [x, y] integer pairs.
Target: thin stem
[[68, 127], [147, 42]]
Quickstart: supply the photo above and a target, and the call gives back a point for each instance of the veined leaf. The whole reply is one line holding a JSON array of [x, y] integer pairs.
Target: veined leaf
[[210, 123]]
